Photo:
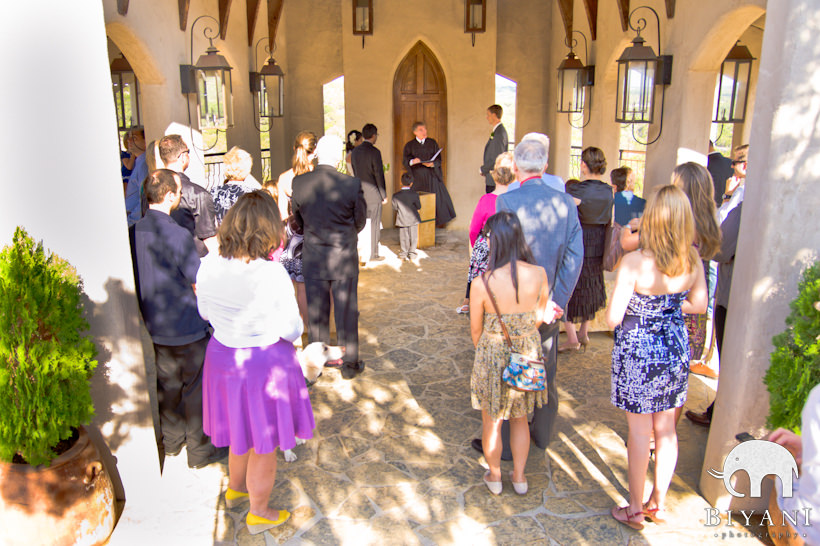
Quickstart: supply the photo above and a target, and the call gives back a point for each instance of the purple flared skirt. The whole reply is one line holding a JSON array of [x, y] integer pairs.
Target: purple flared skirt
[[255, 398]]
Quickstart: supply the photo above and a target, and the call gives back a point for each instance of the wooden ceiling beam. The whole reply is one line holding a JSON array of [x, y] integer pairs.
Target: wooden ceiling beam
[[592, 15], [183, 13], [122, 7], [253, 13], [670, 8], [566, 14], [623, 11], [274, 14], [224, 11]]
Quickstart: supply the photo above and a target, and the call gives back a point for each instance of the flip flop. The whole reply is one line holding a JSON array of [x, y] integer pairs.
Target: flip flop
[[634, 521]]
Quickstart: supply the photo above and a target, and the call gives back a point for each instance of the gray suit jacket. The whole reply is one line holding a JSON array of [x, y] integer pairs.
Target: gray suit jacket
[[496, 145], [550, 222]]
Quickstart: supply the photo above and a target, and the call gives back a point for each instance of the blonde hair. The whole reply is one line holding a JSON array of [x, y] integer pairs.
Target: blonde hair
[[237, 163], [152, 159], [668, 232], [303, 147], [502, 172], [696, 183]]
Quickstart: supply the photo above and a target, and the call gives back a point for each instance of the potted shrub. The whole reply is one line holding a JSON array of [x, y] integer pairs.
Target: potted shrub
[[53, 489], [795, 361]]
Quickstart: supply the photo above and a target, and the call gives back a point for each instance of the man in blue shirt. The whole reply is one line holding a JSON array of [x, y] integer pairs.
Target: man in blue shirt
[[167, 263], [136, 146], [549, 180]]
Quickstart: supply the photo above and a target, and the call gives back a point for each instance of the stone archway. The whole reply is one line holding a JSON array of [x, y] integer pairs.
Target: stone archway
[[419, 94]]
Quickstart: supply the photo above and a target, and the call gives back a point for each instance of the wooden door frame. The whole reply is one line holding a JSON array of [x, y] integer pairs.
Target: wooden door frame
[[399, 140]]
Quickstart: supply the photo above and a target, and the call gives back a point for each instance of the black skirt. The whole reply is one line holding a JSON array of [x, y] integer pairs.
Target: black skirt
[[589, 295]]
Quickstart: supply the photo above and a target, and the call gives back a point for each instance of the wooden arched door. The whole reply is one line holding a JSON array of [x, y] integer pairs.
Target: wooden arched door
[[419, 94]]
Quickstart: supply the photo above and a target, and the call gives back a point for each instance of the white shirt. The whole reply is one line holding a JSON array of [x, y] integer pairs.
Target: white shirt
[[249, 304], [420, 141], [734, 201]]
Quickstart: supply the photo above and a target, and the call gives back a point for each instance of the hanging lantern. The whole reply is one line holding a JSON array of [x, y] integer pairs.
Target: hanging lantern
[[362, 18], [126, 94], [571, 85], [733, 86], [214, 90], [636, 83], [271, 92], [475, 17]]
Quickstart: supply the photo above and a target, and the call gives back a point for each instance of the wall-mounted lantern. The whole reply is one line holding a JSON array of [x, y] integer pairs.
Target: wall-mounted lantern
[[573, 79], [210, 79], [362, 18], [733, 85], [126, 94], [268, 88], [639, 71], [475, 17]]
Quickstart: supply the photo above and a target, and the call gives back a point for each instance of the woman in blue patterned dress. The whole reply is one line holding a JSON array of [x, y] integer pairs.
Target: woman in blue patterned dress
[[650, 360]]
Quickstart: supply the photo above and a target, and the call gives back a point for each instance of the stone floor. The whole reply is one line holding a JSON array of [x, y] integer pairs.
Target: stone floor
[[391, 461]]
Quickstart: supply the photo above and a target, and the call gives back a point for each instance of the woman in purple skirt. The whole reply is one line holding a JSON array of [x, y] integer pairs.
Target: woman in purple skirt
[[254, 395]]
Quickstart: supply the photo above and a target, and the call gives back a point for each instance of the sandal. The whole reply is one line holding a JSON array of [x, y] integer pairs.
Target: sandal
[[463, 310], [494, 487], [656, 515], [520, 487], [632, 520]]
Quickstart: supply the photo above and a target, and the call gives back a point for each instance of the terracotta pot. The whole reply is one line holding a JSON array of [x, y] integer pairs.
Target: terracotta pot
[[70, 502]]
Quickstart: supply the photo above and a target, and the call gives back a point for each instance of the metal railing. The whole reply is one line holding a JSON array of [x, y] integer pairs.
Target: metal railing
[[575, 162], [215, 169], [635, 160]]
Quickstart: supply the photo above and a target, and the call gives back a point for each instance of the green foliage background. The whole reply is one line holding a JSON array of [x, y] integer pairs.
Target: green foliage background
[[45, 361], [795, 361]]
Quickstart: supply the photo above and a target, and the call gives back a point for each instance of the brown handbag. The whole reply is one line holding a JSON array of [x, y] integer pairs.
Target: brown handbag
[[613, 251]]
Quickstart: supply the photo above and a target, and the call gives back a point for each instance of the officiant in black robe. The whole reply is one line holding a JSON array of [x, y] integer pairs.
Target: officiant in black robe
[[427, 174]]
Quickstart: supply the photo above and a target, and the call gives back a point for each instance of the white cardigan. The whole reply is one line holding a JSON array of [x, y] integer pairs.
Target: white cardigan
[[249, 304]]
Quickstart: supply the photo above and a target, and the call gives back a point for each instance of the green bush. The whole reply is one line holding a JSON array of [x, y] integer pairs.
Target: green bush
[[795, 361], [45, 361]]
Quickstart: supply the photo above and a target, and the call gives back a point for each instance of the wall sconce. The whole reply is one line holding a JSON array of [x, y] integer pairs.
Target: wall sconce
[[126, 94], [639, 71], [268, 87], [475, 17], [210, 79], [731, 99], [573, 79], [362, 18]]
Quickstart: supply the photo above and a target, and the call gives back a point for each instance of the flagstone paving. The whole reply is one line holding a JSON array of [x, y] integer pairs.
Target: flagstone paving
[[391, 461]]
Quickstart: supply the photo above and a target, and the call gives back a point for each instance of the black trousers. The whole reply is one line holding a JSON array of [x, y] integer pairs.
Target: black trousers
[[720, 327], [179, 396], [346, 313], [542, 427], [409, 240]]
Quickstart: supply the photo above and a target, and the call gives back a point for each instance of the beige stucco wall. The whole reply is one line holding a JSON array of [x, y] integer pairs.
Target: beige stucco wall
[[68, 194], [774, 247]]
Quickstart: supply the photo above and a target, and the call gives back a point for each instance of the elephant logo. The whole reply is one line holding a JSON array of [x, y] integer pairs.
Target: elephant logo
[[758, 458]]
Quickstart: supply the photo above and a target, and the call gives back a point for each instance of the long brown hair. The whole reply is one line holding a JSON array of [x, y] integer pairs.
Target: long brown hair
[[303, 147], [251, 228], [668, 231], [696, 183]]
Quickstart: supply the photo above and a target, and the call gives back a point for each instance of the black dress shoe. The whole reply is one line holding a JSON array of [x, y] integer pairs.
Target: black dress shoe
[[173, 452], [702, 419], [218, 454], [478, 446], [352, 369]]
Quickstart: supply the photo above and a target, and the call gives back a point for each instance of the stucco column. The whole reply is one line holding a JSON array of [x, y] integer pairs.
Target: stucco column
[[777, 235], [68, 193]]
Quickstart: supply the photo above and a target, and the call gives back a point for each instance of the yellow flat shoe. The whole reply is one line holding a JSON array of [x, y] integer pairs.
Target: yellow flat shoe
[[235, 498], [258, 524]]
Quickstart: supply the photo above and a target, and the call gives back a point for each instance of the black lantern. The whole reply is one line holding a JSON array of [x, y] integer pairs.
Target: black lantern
[[475, 17], [210, 79], [733, 86], [126, 94], [362, 18], [639, 71], [573, 79], [268, 87]]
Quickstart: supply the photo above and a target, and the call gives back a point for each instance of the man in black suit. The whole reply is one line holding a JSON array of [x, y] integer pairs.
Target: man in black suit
[[330, 208], [367, 164], [720, 167], [496, 145]]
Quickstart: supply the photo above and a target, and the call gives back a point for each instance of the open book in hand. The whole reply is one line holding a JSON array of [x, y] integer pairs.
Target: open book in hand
[[432, 158]]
